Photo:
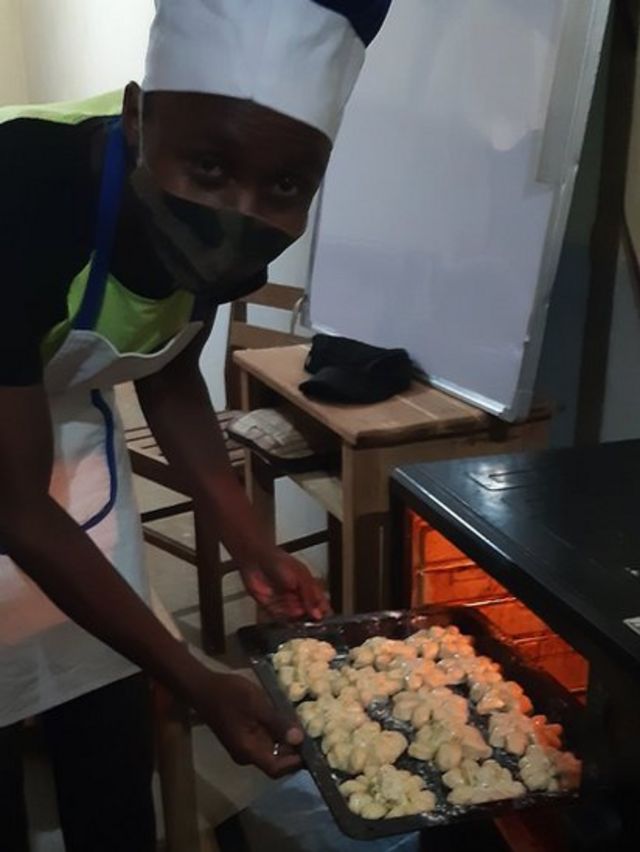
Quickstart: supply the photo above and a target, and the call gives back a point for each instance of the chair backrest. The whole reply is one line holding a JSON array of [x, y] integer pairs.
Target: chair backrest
[[246, 335]]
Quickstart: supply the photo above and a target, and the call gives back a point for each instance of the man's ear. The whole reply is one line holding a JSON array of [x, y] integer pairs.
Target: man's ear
[[132, 115]]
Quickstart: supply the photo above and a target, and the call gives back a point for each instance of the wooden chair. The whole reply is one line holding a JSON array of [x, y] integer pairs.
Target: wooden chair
[[148, 462]]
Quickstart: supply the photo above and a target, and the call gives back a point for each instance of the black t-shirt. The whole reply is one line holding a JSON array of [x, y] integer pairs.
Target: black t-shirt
[[49, 190]]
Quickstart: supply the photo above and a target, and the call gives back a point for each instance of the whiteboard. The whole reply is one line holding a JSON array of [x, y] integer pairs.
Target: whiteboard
[[445, 204]]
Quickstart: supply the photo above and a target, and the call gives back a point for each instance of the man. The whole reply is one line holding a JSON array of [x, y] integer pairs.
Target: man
[[121, 233]]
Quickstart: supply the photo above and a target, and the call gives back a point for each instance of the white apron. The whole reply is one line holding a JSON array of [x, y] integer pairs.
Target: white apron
[[46, 659]]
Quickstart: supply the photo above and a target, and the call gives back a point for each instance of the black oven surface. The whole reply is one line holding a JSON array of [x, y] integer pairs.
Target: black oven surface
[[560, 529]]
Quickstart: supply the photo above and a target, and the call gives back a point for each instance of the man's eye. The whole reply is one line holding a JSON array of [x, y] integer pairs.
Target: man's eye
[[210, 168], [287, 187]]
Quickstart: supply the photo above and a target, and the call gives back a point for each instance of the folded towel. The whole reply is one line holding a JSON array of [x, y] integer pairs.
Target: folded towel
[[348, 371]]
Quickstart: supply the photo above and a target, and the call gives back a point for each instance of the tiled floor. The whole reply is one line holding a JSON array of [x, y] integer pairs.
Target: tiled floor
[[223, 787]]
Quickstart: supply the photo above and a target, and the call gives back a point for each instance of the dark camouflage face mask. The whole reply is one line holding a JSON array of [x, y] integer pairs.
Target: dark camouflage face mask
[[204, 249]]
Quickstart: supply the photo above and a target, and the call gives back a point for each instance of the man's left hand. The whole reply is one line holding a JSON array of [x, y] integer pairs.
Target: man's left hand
[[286, 589]]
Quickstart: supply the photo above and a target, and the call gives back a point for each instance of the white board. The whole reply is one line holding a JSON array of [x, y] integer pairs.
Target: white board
[[446, 200]]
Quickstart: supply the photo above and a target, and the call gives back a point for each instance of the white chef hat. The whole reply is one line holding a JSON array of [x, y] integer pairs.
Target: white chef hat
[[299, 57]]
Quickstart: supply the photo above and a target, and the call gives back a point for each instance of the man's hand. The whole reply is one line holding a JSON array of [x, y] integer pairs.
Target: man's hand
[[176, 404], [248, 726], [286, 589]]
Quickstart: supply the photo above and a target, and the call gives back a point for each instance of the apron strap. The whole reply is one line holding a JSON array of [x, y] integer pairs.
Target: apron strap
[[113, 173]]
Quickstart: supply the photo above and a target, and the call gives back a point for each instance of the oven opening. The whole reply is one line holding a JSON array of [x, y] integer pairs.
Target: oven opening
[[442, 574]]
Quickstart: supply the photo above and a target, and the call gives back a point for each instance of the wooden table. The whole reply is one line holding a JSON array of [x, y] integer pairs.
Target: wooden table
[[422, 424]]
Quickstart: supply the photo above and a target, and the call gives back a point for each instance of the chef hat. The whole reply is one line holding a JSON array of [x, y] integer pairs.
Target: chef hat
[[299, 57]]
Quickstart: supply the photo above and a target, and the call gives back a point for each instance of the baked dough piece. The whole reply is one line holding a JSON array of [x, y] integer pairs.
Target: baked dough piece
[[515, 732], [328, 714], [387, 792], [456, 646], [448, 745], [482, 670], [449, 640], [425, 705], [303, 650], [472, 783], [381, 653], [503, 696], [420, 672], [450, 671], [366, 747], [303, 668], [366, 684], [425, 643], [549, 769]]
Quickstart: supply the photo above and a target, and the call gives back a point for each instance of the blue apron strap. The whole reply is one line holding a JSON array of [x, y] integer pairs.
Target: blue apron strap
[[113, 174]]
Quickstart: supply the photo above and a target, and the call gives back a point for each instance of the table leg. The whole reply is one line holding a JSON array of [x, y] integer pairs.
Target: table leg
[[210, 592], [364, 550], [334, 528], [259, 477], [260, 485], [363, 530], [398, 575]]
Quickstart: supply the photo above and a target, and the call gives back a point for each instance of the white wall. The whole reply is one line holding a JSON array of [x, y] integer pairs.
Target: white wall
[[292, 267], [78, 48], [13, 77]]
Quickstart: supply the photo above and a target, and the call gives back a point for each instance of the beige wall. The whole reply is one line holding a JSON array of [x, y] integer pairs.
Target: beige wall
[[13, 80], [53, 50]]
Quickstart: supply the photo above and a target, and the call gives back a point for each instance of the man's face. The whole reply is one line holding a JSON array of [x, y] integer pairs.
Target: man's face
[[229, 153]]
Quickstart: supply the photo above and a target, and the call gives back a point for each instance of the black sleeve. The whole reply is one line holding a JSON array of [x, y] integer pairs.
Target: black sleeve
[[20, 358], [40, 246]]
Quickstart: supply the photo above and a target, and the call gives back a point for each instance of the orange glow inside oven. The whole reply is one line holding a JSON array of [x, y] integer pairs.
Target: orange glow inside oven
[[442, 574]]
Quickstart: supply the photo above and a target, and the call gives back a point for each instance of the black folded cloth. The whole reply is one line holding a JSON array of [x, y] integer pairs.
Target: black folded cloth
[[346, 370]]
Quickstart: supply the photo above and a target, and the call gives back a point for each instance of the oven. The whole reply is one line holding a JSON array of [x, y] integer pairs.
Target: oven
[[547, 547]]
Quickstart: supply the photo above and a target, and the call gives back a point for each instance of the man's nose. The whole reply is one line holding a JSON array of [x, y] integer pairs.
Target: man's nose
[[243, 199]]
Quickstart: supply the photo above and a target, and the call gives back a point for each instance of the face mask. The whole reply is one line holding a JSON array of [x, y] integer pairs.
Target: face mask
[[205, 250]]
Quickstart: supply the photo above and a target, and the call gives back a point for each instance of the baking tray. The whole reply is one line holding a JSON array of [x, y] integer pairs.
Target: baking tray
[[547, 695]]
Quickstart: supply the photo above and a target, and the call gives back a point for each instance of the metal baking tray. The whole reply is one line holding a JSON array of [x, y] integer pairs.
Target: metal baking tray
[[547, 695]]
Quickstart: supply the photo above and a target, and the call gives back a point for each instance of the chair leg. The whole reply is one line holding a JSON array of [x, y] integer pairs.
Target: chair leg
[[260, 486], [210, 595], [176, 771], [334, 528]]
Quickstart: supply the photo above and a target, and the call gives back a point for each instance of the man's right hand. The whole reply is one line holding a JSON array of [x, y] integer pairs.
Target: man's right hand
[[247, 724]]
